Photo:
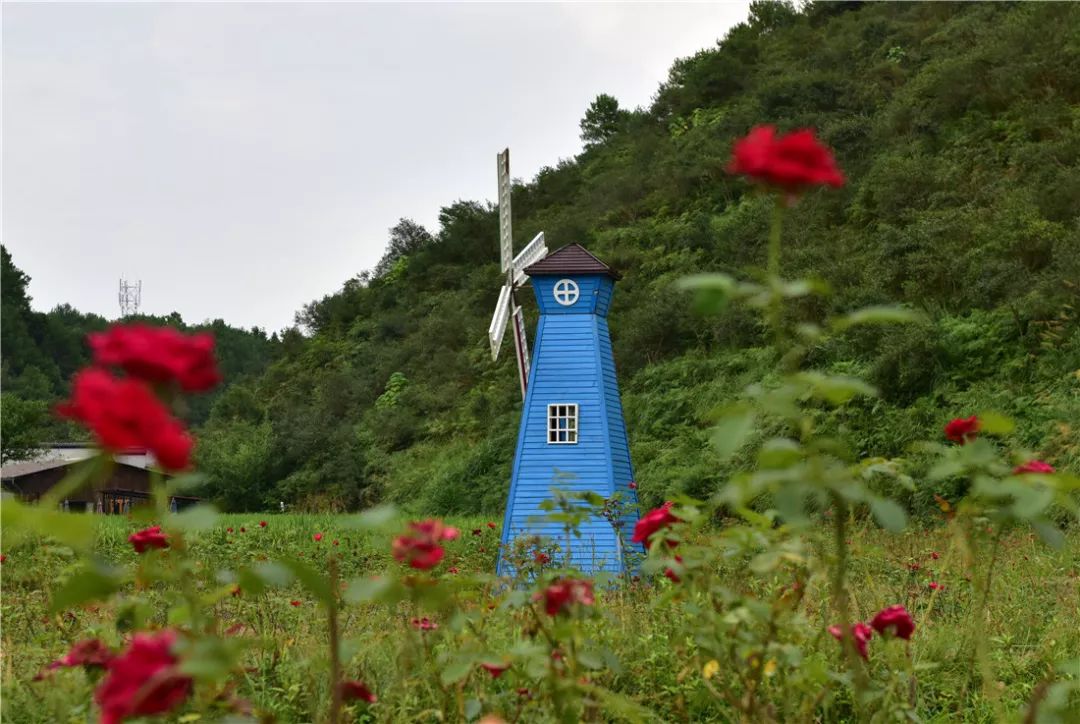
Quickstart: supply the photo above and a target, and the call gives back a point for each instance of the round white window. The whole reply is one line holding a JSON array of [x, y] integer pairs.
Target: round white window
[[566, 292]]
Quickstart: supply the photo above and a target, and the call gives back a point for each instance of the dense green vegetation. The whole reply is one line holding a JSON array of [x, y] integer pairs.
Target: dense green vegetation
[[958, 127], [42, 350]]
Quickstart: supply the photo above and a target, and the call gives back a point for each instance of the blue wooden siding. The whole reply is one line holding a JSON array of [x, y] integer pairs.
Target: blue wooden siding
[[572, 362]]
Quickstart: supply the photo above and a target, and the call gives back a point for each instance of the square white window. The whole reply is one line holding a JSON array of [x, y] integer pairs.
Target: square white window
[[562, 426]]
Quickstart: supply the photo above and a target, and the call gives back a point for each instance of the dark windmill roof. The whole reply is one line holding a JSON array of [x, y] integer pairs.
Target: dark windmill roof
[[571, 259]]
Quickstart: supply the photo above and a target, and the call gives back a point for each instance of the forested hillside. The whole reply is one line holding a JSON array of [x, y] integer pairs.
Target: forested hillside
[[42, 350], [958, 128]]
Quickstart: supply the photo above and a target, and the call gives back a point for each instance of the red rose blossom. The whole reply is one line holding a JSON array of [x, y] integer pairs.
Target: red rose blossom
[[158, 354], [477, 531], [670, 573], [632, 485], [491, 525], [560, 595], [963, 430], [262, 523], [541, 558], [143, 680], [424, 624], [653, 521], [148, 538], [421, 549], [294, 603], [935, 586], [896, 618], [791, 162], [125, 414], [317, 537], [860, 631], [356, 690], [496, 670], [90, 653], [1033, 466]]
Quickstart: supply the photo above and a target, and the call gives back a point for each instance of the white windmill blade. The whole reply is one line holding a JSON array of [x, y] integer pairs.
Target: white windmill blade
[[521, 347], [498, 321], [506, 239], [533, 252]]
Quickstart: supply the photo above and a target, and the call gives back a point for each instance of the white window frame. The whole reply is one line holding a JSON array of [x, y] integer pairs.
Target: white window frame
[[563, 412]]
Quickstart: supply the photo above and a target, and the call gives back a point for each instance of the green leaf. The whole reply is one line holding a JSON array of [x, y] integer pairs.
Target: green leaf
[[732, 429], [473, 707], [458, 668], [378, 588], [835, 389], [185, 483], [712, 292], [994, 423], [876, 315], [888, 514], [779, 452], [375, 518], [196, 518], [76, 531], [310, 579], [91, 584], [273, 574], [1049, 533]]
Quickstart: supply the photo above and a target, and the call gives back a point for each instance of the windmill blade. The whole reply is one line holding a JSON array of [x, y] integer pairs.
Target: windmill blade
[[521, 348], [498, 321], [506, 240], [533, 252]]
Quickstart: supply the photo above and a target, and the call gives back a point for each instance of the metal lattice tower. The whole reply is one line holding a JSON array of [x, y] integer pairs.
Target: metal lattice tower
[[130, 297]]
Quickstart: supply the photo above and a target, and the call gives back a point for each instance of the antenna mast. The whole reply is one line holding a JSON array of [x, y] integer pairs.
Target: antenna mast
[[130, 297]]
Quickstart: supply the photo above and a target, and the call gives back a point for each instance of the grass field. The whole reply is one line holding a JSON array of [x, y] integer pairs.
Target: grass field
[[1031, 624]]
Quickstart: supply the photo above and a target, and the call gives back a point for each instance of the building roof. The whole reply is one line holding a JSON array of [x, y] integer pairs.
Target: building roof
[[26, 467], [29, 467], [570, 259]]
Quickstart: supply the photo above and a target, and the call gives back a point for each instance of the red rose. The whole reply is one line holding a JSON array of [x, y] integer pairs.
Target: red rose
[[671, 574], [125, 414], [452, 569], [860, 631], [143, 680], [262, 523], [791, 162], [149, 538], [935, 586], [421, 548], [477, 531], [229, 529], [560, 595], [294, 603], [632, 485], [653, 521], [90, 653], [317, 537], [491, 525], [541, 558], [896, 618], [158, 354], [353, 690], [963, 430], [935, 555], [243, 529], [496, 670], [424, 624], [1033, 466]]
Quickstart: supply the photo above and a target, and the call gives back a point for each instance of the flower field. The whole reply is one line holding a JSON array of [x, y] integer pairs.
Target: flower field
[[646, 652]]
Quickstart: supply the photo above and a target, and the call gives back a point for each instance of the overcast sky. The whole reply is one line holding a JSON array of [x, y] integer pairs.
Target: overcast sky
[[244, 159]]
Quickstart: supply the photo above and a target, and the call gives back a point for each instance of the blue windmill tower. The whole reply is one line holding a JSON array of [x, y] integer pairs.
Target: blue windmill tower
[[572, 432]]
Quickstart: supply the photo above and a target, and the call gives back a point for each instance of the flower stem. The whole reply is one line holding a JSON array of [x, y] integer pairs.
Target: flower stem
[[775, 312], [335, 647]]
